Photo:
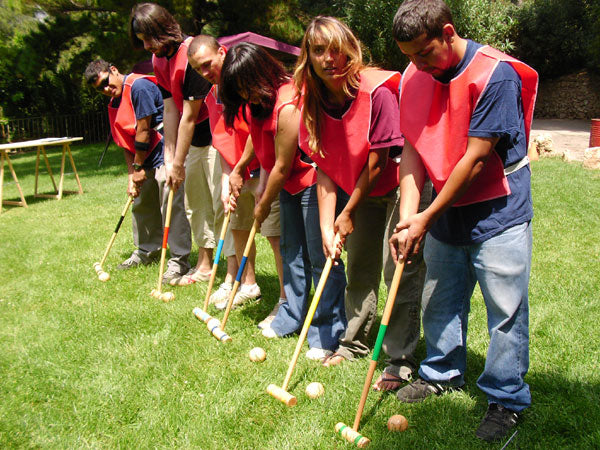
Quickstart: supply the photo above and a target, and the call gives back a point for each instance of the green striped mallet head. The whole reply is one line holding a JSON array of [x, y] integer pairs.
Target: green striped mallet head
[[351, 435]]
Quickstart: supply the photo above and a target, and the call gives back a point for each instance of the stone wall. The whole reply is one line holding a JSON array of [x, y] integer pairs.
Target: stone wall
[[575, 96]]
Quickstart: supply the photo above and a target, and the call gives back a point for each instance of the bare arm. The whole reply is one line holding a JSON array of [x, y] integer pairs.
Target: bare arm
[[376, 162], [286, 146], [327, 199], [462, 176]]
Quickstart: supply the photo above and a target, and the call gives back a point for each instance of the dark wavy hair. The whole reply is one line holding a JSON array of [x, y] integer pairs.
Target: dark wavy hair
[[417, 17], [250, 69], [155, 23], [94, 69]]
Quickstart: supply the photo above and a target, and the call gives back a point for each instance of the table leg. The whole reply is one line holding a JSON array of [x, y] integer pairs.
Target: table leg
[[74, 169]]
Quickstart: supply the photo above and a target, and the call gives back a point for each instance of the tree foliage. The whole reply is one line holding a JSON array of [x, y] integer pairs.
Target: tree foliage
[[46, 44]]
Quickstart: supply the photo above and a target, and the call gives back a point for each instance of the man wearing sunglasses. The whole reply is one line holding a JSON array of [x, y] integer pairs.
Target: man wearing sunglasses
[[135, 113]]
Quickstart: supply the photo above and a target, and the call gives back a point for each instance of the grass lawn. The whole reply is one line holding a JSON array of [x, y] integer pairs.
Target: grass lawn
[[104, 365]]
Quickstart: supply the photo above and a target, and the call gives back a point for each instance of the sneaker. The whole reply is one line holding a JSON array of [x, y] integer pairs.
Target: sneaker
[[496, 423], [130, 263], [171, 274], [245, 294], [419, 390], [267, 320], [318, 354], [269, 332], [221, 294]]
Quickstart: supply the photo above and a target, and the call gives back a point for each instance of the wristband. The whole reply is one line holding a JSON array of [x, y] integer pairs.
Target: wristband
[[142, 146]]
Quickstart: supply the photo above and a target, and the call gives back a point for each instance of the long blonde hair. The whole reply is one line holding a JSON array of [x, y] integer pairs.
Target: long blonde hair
[[337, 36]]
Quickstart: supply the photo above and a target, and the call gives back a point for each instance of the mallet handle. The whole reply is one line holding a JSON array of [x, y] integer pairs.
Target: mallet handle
[[163, 252], [215, 266], [387, 312], [238, 278], [114, 235], [309, 317]]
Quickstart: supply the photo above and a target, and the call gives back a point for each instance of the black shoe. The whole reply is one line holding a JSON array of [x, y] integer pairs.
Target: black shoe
[[419, 390], [496, 423]]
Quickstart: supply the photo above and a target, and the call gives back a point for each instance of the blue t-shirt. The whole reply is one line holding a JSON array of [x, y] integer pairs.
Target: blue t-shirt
[[499, 113], [147, 101]]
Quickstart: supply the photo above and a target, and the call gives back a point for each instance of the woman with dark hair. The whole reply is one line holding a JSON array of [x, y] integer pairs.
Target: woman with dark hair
[[192, 162], [351, 129], [252, 78]]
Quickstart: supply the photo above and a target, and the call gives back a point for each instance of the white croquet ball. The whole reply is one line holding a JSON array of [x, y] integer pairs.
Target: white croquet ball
[[315, 390], [257, 354]]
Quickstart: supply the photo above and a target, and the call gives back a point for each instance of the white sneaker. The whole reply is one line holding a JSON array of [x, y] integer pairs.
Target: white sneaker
[[246, 293], [221, 294], [318, 354], [267, 320], [269, 332]]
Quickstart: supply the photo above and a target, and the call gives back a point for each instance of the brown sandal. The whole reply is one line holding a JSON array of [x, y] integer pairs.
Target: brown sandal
[[388, 378]]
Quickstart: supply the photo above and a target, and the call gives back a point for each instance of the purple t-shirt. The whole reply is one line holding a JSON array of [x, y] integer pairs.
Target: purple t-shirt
[[385, 120]]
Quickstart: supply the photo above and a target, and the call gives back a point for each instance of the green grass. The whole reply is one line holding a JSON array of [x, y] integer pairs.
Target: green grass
[[103, 365]]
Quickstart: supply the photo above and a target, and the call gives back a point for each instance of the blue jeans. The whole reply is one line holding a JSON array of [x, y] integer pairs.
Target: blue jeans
[[501, 265], [303, 261]]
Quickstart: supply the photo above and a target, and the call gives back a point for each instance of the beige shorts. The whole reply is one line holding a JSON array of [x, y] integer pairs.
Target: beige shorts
[[243, 216]]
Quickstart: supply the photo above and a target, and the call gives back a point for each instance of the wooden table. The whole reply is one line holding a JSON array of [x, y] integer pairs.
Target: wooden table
[[41, 145]]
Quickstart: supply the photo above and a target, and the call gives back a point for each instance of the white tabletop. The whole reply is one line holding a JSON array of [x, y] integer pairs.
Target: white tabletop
[[38, 142]]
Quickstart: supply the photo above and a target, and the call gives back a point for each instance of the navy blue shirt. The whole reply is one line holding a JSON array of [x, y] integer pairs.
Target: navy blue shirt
[[499, 113], [147, 101]]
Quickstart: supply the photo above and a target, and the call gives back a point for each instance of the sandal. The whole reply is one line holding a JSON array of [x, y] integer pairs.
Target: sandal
[[388, 382], [190, 278], [334, 359]]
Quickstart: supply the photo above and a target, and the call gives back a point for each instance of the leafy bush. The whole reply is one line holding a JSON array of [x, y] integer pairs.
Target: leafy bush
[[558, 37]]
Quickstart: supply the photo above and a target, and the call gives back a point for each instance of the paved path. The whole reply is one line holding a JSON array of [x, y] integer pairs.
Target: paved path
[[567, 135]]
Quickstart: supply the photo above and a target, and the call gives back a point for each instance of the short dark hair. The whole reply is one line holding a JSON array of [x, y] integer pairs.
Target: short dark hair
[[203, 39], [417, 17], [261, 75], [155, 23], [94, 69]]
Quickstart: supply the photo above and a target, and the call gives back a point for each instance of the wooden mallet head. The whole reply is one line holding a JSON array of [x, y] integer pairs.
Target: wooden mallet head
[[282, 395], [351, 435]]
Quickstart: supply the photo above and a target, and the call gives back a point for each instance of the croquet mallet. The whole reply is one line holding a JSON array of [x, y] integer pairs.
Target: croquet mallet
[[238, 277], [98, 266], [212, 324], [215, 266], [281, 393], [352, 434], [157, 293]]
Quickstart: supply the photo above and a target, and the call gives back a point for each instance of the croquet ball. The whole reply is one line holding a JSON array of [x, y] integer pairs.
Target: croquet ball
[[104, 276], [315, 390], [167, 296], [257, 354], [397, 423]]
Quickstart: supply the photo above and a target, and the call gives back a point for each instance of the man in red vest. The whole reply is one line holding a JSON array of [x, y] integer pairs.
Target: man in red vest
[[135, 112], [466, 111], [186, 130], [206, 56]]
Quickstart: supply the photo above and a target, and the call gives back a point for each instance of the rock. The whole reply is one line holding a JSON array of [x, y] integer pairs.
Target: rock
[[591, 158], [545, 146]]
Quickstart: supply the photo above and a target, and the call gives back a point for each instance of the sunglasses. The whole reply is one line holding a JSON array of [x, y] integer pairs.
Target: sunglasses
[[103, 84]]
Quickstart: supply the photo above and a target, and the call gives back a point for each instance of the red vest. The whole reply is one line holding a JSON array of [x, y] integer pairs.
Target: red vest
[[345, 142], [229, 142], [302, 175], [170, 73], [435, 119], [122, 118]]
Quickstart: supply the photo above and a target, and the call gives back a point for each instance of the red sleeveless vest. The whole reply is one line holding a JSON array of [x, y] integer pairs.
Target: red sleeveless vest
[[302, 175], [229, 142], [435, 119], [122, 118], [170, 74], [345, 142]]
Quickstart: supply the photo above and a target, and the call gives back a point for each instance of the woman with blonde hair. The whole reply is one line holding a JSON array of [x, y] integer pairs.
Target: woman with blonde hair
[[254, 80], [350, 127]]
